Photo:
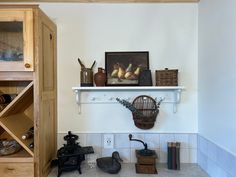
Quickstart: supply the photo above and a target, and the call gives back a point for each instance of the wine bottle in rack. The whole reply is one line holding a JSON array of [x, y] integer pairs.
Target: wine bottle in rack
[[2, 106], [28, 134], [31, 145], [6, 98]]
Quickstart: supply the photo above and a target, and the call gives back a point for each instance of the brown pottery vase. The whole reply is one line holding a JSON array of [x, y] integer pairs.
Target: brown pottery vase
[[100, 77]]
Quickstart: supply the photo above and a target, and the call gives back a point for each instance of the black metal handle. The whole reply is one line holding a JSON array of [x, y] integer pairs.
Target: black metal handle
[[144, 144]]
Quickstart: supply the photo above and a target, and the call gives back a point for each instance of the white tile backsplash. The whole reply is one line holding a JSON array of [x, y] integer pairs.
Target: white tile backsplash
[[135, 144], [227, 161], [214, 170], [192, 139], [183, 139], [213, 151], [122, 140], [60, 140], [202, 145], [194, 149], [193, 155], [216, 161], [184, 155], [163, 156], [164, 138], [202, 160], [107, 152], [82, 139], [94, 139], [155, 141]]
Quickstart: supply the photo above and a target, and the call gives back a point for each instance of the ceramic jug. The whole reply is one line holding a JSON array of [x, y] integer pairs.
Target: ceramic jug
[[100, 77]]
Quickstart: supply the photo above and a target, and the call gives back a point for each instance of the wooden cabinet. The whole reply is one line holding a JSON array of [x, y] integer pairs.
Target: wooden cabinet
[[16, 39], [36, 101], [16, 169]]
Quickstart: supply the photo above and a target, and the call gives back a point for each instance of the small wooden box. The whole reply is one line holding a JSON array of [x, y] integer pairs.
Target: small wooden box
[[146, 160], [146, 164], [145, 169], [167, 77]]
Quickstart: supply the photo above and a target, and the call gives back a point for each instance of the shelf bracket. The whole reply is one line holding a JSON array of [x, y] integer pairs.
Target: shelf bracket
[[177, 98], [78, 99]]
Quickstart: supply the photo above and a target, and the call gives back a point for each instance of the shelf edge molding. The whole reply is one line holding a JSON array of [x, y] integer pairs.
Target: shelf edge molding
[[108, 1], [177, 90]]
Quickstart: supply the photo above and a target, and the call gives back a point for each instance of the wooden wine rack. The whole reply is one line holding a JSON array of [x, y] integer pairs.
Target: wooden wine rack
[[34, 82]]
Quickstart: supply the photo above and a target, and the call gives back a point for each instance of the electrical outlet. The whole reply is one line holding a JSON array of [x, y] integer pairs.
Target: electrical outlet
[[108, 141]]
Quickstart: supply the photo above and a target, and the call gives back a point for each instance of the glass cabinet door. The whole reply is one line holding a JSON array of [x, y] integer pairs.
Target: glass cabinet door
[[16, 40]]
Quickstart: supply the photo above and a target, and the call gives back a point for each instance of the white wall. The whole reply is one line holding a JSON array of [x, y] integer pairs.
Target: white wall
[[167, 31], [217, 74]]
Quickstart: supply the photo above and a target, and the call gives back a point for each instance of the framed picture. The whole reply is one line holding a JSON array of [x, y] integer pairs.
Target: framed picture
[[123, 68]]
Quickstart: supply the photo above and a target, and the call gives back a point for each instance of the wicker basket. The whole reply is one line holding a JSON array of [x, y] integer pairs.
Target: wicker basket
[[167, 77], [149, 110]]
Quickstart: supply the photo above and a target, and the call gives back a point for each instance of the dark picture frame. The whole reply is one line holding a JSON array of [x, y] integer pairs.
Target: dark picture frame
[[124, 68]]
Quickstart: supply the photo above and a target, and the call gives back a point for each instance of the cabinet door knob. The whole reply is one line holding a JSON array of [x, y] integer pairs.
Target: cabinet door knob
[[27, 65]]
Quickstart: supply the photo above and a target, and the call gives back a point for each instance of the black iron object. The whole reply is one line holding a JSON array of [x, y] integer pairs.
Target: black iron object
[[110, 164], [142, 152], [71, 154]]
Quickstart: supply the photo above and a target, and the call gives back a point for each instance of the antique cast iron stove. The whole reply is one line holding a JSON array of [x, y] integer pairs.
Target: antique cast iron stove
[[71, 154]]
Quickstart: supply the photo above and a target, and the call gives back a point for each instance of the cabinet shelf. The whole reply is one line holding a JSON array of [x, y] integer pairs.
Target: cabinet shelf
[[106, 97], [21, 156], [16, 125], [23, 100], [128, 88]]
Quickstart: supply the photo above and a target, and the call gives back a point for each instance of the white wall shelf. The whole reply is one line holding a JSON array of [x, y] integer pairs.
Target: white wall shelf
[[109, 94]]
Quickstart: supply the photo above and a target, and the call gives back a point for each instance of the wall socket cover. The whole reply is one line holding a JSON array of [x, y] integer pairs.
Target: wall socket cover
[[108, 141]]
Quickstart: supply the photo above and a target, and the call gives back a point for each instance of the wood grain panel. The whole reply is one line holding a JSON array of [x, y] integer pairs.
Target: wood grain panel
[[17, 169], [48, 146], [16, 75], [29, 112], [48, 65], [21, 156], [45, 87], [13, 87]]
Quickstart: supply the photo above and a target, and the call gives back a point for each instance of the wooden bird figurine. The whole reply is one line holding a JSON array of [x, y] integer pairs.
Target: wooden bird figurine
[[110, 164]]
